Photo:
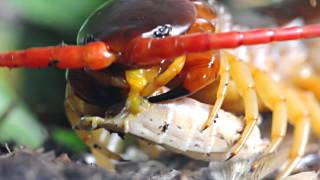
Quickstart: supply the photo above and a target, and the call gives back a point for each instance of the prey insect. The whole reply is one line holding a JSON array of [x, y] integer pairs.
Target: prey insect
[[168, 125], [165, 42]]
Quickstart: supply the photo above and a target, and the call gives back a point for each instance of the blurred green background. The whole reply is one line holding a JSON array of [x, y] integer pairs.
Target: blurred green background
[[31, 101]]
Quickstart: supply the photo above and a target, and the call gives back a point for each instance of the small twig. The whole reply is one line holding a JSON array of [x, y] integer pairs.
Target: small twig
[[8, 148], [9, 152]]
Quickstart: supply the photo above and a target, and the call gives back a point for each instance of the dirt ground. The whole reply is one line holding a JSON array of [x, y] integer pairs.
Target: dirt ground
[[23, 164]]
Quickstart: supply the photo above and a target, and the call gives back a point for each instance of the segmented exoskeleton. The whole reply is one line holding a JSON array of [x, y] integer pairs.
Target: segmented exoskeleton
[[165, 41]]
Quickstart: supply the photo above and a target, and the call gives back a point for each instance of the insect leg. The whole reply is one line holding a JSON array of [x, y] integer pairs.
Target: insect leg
[[96, 140], [299, 117], [222, 90], [272, 96], [241, 74], [173, 70]]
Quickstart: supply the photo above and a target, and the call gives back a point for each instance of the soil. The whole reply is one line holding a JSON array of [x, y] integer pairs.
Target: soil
[[24, 164]]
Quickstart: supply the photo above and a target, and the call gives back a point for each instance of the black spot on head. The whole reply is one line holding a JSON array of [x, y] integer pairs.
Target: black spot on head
[[162, 31], [53, 63]]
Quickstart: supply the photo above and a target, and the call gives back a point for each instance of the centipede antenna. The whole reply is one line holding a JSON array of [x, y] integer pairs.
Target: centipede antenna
[[146, 48], [93, 56]]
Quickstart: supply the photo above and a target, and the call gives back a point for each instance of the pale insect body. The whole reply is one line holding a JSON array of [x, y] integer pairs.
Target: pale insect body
[[175, 125], [171, 126]]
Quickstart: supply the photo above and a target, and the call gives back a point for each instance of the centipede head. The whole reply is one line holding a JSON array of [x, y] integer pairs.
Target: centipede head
[[141, 34]]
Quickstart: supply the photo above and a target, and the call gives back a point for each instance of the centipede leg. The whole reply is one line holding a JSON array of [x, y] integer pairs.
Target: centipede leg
[[299, 117], [222, 90], [307, 79], [200, 70], [314, 109], [173, 70], [241, 74], [272, 96]]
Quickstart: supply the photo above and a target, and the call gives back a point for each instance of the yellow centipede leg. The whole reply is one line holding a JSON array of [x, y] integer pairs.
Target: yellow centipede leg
[[306, 78], [314, 109], [299, 117], [272, 96], [173, 70], [222, 90], [241, 75]]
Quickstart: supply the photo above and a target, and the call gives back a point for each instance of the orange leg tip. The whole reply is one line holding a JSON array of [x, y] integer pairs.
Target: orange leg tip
[[231, 156], [204, 127]]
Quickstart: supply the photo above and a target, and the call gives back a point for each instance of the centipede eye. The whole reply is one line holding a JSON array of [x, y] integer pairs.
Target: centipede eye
[[162, 31]]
